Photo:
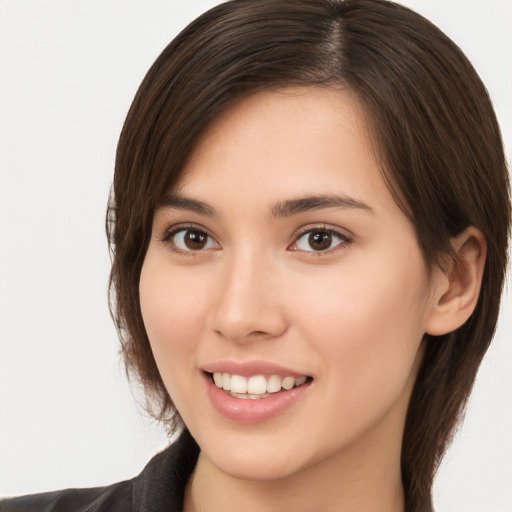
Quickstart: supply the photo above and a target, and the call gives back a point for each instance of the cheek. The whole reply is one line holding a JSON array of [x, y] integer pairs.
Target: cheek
[[171, 310], [173, 317], [170, 300], [368, 324]]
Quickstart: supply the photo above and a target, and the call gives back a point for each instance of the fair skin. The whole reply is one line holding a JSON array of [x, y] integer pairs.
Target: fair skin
[[243, 272]]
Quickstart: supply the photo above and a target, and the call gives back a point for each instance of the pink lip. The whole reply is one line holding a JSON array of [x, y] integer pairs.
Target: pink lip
[[248, 411], [249, 368]]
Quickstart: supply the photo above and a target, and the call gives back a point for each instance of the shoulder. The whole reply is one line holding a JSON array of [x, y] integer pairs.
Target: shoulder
[[159, 487], [113, 498]]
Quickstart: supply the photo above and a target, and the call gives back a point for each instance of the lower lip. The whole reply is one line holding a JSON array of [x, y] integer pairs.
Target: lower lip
[[243, 410]]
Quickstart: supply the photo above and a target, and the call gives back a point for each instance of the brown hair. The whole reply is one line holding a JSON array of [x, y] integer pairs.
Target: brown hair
[[434, 129]]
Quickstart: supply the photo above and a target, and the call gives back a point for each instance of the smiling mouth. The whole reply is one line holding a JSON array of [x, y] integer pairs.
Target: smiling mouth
[[256, 386]]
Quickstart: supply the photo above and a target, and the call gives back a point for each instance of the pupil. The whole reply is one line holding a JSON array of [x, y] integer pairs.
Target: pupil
[[320, 240], [195, 240]]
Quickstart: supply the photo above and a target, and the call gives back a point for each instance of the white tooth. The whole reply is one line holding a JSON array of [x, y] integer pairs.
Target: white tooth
[[217, 378], [238, 384], [257, 385], [300, 380], [226, 381], [274, 384], [257, 397], [288, 383], [238, 395], [247, 396]]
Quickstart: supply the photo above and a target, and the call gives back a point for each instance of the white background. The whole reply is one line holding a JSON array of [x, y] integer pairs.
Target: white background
[[68, 72]]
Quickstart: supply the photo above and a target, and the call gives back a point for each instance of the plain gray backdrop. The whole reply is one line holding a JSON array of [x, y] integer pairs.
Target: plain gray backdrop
[[68, 72]]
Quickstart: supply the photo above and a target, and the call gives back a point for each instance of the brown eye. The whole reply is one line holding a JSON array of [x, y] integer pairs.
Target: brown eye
[[195, 239], [319, 240], [187, 240]]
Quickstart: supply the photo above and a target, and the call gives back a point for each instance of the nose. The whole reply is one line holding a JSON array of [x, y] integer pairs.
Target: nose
[[249, 305]]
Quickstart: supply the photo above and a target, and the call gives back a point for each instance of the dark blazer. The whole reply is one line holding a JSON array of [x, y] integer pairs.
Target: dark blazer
[[158, 488]]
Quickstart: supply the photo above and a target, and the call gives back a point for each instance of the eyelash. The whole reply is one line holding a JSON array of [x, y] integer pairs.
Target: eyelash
[[344, 240], [343, 243], [174, 230]]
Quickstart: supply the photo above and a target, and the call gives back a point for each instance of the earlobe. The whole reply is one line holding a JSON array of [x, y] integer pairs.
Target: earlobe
[[457, 286]]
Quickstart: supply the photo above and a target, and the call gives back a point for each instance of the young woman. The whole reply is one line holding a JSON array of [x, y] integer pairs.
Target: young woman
[[309, 225]]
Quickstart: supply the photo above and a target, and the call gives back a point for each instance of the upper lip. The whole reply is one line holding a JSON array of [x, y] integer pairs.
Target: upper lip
[[249, 368]]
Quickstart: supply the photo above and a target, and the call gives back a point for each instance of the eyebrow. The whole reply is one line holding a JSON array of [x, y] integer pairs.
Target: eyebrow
[[281, 209], [316, 202], [181, 202]]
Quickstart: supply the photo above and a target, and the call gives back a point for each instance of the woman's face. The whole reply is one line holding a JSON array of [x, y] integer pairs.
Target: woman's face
[[281, 257]]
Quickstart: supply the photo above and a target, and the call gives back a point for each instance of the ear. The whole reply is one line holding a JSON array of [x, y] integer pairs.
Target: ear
[[457, 283]]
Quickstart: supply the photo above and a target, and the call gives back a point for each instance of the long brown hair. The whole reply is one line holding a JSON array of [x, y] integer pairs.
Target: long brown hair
[[433, 127]]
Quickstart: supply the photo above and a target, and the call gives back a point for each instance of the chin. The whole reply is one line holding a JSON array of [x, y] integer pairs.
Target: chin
[[253, 465]]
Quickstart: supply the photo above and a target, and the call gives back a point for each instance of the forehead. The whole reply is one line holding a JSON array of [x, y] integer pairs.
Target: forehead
[[293, 141]]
